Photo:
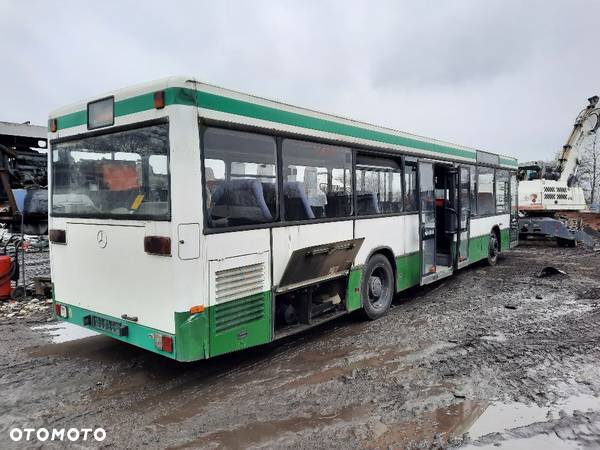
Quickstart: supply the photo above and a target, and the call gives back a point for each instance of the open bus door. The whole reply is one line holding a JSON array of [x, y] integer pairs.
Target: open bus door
[[464, 217], [439, 212], [514, 210], [427, 225]]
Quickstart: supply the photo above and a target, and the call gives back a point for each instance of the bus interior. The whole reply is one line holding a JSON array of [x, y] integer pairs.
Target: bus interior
[[445, 215]]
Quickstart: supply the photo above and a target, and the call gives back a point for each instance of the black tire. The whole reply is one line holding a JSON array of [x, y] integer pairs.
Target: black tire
[[377, 287], [493, 249]]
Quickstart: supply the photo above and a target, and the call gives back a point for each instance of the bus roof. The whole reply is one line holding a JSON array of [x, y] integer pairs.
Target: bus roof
[[226, 105]]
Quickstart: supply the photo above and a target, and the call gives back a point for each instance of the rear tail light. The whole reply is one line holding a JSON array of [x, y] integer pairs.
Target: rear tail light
[[167, 344], [53, 125], [157, 245], [57, 236], [61, 310], [159, 99], [164, 343]]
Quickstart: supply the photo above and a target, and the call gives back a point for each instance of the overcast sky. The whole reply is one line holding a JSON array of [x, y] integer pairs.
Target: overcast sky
[[502, 75]]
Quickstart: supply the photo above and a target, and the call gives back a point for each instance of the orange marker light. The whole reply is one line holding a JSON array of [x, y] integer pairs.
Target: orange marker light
[[159, 99], [197, 309]]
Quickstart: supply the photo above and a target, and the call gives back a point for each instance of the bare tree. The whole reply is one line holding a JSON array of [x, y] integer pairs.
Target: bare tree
[[589, 172]]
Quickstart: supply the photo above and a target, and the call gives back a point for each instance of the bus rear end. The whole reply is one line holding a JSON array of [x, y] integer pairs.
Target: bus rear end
[[111, 222]]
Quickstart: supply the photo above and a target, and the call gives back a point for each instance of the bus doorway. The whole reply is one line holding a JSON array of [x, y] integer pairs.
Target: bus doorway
[[440, 241]]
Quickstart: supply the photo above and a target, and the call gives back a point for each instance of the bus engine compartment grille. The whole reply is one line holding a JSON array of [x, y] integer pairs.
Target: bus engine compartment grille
[[233, 314], [239, 282]]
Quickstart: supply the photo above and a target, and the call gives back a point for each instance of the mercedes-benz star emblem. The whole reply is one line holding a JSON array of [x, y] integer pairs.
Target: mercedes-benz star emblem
[[102, 239]]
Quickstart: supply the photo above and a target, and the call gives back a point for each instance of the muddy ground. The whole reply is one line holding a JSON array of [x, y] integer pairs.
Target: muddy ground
[[493, 357]]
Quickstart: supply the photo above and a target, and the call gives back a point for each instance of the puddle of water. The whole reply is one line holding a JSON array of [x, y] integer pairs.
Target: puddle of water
[[481, 419], [64, 332], [499, 417]]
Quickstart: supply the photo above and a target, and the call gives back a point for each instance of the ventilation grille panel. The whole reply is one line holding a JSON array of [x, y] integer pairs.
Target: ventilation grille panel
[[239, 282], [234, 314]]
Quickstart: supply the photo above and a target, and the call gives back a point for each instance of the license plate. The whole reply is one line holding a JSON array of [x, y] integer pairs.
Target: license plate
[[107, 325]]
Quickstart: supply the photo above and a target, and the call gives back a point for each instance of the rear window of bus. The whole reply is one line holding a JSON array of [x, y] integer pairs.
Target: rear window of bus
[[123, 174]]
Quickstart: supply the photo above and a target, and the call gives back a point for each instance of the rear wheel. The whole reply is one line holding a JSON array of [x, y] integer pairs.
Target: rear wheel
[[377, 287], [493, 250]]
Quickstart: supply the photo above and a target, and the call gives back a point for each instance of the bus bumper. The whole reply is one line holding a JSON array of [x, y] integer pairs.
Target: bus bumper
[[187, 344]]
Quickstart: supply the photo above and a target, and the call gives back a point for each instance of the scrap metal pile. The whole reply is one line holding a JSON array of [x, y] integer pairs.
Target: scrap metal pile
[[24, 177]]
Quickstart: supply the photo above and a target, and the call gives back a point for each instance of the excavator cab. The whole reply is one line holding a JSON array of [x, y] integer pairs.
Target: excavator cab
[[529, 171]]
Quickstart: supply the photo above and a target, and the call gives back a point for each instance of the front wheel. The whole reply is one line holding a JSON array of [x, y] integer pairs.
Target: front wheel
[[493, 250], [377, 287]]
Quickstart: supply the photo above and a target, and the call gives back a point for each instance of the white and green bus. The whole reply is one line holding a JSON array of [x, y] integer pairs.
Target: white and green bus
[[194, 221]]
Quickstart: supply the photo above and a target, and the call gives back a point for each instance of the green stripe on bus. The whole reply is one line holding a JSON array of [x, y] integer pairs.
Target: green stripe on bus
[[247, 109], [509, 162], [240, 324], [353, 300], [71, 120], [191, 331], [505, 239], [190, 97], [408, 271], [478, 248], [132, 105]]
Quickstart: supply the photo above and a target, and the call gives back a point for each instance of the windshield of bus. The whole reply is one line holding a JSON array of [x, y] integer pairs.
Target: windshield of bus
[[121, 175]]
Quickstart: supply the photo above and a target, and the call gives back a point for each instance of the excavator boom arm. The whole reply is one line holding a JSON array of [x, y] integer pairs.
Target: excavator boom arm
[[587, 122]]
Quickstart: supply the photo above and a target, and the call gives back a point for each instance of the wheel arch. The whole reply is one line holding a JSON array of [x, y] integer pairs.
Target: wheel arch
[[389, 254]]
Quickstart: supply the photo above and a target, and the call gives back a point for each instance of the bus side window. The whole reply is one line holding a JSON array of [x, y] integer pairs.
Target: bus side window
[[240, 178], [411, 199], [317, 180], [378, 185], [486, 204], [473, 175]]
